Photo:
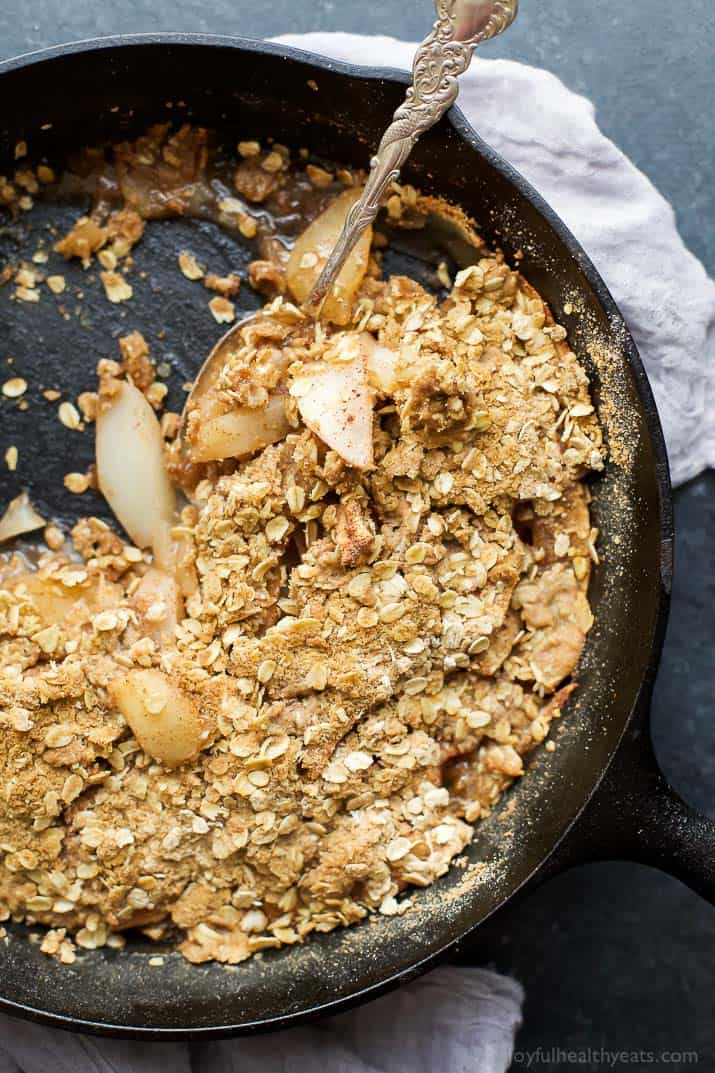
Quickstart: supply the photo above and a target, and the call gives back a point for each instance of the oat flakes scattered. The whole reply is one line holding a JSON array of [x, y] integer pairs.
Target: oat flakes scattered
[[189, 266], [27, 294], [222, 310], [14, 388], [361, 659], [76, 482], [56, 284], [69, 415], [116, 287]]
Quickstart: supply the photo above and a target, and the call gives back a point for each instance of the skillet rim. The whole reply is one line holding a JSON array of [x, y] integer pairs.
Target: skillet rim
[[639, 710]]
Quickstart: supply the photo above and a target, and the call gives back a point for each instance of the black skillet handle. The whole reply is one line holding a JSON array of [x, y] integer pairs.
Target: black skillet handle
[[635, 815]]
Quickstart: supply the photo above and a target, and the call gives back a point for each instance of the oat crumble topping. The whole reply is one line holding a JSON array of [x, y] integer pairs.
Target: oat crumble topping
[[359, 657]]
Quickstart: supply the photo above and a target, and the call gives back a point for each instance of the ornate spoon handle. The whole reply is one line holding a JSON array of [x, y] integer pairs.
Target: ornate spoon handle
[[444, 54]]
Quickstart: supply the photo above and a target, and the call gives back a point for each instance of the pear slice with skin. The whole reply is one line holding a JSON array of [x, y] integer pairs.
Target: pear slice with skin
[[130, 467], [165, 720], [312, 250], [335, 402], [240, 432]]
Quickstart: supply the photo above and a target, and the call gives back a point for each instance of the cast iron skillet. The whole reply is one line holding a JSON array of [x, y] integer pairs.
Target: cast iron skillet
[[600, 794]]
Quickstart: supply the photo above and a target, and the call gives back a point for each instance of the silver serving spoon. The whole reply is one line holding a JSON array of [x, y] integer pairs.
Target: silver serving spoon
[[440, 59]]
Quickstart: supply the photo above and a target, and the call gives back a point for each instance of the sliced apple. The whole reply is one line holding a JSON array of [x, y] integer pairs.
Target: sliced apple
[[335, 402], [311, 251], [130, 467], [164, 719], [239, 432]]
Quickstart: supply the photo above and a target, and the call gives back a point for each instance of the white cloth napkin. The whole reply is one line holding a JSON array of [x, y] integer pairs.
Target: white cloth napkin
[[462, 1020], [451, 1021]]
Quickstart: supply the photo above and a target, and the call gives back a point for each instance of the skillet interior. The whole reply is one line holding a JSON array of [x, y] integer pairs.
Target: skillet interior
[[258, 92]]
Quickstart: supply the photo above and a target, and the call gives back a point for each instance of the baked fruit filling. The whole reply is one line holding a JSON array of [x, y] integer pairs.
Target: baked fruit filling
[[346, 597]]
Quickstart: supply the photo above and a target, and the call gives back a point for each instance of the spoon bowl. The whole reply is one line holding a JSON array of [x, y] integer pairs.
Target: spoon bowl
[[234, 434]]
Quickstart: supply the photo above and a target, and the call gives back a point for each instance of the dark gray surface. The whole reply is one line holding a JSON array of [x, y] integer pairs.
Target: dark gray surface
[[612, 955], [618, 956]]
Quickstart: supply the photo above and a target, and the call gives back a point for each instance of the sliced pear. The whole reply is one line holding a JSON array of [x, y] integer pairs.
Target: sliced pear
[[381, 366], [20, 517], [157, 604], [311, 251], [55, 603], [335, 402], [239, 432], [174, 557], [164, 546], [130, 467], [164, 719], [52, 601]]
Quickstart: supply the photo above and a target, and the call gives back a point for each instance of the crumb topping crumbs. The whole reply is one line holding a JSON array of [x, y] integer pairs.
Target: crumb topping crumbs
[[362, 657]]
